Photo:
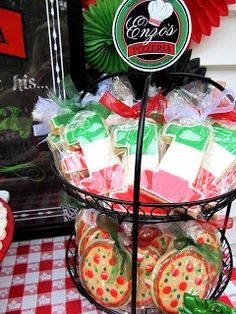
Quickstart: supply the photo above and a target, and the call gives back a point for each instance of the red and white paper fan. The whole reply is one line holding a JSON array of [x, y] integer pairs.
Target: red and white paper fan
[[205, 15]]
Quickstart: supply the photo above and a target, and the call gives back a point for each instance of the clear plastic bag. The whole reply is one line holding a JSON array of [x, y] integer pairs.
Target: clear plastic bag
[[172, 259], [105, 265], [95, 149], [172, 181], [217, 174], [88, 131]]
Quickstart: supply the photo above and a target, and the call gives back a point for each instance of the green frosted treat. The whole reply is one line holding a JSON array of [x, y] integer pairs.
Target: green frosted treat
[[60, 121], [85, 128]]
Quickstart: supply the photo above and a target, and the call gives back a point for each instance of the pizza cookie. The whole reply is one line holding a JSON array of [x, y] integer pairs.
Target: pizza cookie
[[84, 220], [162, 243], [101, 275], [209, 238], [178, 272], [89, 236], [146, 262]]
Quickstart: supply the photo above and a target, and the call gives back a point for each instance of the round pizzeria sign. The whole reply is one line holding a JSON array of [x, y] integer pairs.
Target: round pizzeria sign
[[151, 35]]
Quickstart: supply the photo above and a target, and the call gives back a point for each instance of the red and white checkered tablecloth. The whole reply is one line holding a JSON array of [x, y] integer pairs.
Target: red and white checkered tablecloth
[[34, 280]]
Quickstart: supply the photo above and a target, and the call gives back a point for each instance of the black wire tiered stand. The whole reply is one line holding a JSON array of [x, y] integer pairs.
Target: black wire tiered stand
[[133, 211]]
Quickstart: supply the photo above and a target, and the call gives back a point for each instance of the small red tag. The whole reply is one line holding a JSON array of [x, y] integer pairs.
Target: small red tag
[[12, 40]]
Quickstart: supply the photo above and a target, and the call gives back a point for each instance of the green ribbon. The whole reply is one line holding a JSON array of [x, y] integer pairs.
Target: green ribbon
[[98, 109], [66, 104], [71, 91], [110, 225], [212, 256], [70, 201], [73, 102], [183, 240]]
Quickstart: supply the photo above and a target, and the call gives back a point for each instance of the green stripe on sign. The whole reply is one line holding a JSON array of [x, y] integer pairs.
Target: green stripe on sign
[[195, 136]]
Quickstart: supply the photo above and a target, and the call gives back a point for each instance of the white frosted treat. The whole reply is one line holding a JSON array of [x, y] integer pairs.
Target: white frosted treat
[[125, 139], [3, 223], [106, 172], [3, 211], [5, 195], [2, 234]]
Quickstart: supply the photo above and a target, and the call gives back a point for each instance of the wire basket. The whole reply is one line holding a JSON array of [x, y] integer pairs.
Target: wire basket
[[72, 261], [146, 212], [137, 212]]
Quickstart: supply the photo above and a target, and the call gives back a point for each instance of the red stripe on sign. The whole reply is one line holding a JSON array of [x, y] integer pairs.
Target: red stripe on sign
[[11, 34], [154, 47]]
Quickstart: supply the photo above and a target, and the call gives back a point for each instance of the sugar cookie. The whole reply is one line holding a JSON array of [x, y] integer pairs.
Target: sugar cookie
[[99, 263], [214, 177], [176, 273], [105, 170], [162, 243], [146, 263], [89, 236], [178, 169], [58, 122], [125, 140]]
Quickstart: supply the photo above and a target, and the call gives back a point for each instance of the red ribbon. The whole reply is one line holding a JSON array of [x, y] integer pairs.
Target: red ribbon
[[218, 222], [156, 103], [147, 234], [227, 116]]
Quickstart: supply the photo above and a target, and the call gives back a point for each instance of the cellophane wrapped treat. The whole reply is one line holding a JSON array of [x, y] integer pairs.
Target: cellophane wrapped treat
[[172, 259], [87, 131], [188, 145], [172, 181], [217, 174], [124, 138]]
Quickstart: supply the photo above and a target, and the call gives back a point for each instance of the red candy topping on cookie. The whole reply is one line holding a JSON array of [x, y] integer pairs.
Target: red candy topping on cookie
[[102, 278], [162, 243], [209, 238], [179, 273]]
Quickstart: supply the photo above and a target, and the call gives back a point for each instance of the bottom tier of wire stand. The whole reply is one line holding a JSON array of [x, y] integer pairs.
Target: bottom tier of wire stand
[[73, 267]]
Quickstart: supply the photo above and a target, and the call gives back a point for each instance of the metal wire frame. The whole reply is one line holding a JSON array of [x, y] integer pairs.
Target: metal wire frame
[[135, 211], [148, 212], [72, 261]]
